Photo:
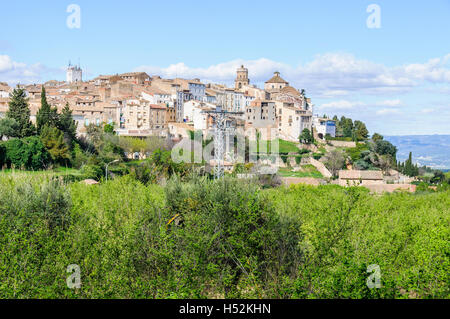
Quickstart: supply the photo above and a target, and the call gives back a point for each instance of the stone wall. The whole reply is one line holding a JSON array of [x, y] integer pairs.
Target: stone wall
[[343, 144], [390, 188], [320, 167]]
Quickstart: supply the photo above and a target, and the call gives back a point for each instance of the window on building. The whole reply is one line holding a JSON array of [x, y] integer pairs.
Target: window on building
[[86, 122]]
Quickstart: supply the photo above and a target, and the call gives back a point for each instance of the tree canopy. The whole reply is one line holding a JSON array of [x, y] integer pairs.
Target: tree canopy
[[19, 111]]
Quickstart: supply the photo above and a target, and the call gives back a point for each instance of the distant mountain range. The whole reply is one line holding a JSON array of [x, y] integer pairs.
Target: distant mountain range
[[430, 150]]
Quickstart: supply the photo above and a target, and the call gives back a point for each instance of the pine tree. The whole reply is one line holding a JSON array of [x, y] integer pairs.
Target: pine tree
[[19, 111], [67, 124], [53, 140], [361, 131], [377, 137], [347, 127], [46, 114]]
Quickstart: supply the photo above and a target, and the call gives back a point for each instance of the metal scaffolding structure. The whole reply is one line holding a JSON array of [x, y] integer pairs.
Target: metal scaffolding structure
[[221, 133]]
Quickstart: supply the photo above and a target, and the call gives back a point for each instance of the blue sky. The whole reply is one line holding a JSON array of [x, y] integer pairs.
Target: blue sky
[[395, 78]]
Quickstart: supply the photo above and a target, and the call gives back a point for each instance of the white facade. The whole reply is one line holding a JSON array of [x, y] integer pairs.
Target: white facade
[[292, 121], [190, 109], [74, 74], [325, 126], [200, 119], [198, 91]]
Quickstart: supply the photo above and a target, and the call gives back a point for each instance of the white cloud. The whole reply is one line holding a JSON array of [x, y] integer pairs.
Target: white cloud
[[328, 75], [349, 105], [436, 70], [392, 103], [16, 72], [427, 111], [341, 105], [222, 72], [388, 112], [425, 158]]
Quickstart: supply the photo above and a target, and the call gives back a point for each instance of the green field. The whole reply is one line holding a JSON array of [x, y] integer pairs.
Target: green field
[[283, 145], [202, 239], [307, 171]]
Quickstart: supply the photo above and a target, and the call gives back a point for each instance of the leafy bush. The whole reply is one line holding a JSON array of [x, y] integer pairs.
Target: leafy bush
[[79, 158], [92, 172], [229, 236], [361, 165], [303, 151], [384, 147], [34, 217], [357, 153], [53, 140], [216, 239], [405, 234], [28, 153]]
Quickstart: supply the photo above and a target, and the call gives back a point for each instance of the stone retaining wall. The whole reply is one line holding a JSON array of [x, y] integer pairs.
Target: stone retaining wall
[[390, 188], [342, 144], [320, 167]]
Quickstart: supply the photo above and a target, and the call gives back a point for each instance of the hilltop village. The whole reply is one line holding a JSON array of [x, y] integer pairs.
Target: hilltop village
[[140, 105]]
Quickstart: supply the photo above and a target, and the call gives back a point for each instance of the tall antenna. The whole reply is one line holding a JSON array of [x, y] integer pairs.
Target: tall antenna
[[221, 131]]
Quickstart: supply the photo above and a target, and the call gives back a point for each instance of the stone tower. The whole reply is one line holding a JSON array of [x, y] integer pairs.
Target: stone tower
[[74, 74], [242, 78]]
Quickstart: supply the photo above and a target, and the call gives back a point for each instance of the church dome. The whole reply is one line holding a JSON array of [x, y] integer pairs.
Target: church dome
[[290, 91], [277, 79]]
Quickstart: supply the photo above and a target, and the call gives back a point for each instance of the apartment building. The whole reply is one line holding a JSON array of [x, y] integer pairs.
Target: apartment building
[[261, 114], [291, 121]]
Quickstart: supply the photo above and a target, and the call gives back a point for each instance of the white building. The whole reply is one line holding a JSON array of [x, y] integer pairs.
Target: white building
[[202, 121], [74, 74], [190, 107], [324, 126], [292, 120]]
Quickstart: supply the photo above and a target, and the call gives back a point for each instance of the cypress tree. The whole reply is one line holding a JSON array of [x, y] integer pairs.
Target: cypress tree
[[409, 168], [19, 111], [46, 114]]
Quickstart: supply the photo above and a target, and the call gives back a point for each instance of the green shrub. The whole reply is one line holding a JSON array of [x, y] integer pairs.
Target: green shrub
[[357, 153], [92, 172], [230, 236], [317, 156], [361, 165], [217, 239], [28, 153], [79, 158]]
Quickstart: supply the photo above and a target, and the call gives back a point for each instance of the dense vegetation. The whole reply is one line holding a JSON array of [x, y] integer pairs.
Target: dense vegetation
[[347, 129], [160, 229], [197, 238]]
